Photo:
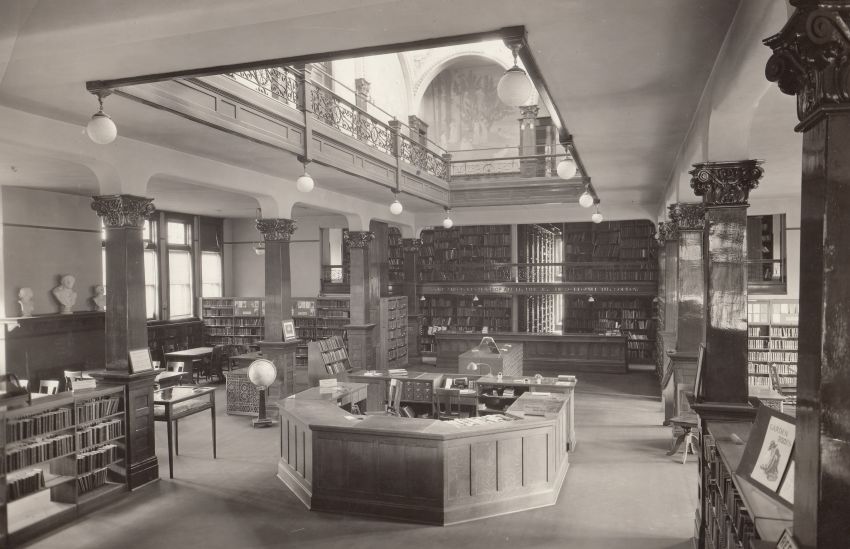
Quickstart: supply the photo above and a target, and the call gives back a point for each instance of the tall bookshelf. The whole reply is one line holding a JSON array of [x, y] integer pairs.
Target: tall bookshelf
[[392, 342], [395, 255], [631, 315], [327, 358], [772, 330], [61, 456], [473, 253], [233, 320], [460, 313]]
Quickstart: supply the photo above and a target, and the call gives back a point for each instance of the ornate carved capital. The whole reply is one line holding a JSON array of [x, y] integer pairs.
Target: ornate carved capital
[[667, 230], [529, 111], [411, 245], [123, 210], [687, 216], [276, 229], [811, 56], [726, 183], [359, 239]]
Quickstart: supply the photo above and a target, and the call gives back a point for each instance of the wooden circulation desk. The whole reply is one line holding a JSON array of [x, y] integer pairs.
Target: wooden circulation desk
[[544, 353], [424, 470]]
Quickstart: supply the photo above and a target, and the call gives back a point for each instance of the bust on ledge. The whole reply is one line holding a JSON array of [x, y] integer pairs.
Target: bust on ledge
[[65, 294], [99, 298], [25, 301]]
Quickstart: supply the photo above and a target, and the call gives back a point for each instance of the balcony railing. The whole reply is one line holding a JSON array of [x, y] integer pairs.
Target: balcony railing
[[767, 276], [391, 136]]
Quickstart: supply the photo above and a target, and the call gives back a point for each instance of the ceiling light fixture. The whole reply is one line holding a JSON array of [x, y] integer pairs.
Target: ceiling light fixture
[[396, 208], [305, 183], [586, 199], [260, 248], [514, 88], [101, 129], [567, 167], [597, 217], [447, 222]]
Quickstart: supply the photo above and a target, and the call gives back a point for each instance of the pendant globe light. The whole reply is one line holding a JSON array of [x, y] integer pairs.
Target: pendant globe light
[[514, 88], [101, 129], [305, 183], [447, 222], [567, 168], [597, 217], [396, 208], [586, 199]]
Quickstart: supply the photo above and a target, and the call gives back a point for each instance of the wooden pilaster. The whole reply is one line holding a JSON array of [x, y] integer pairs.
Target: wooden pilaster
[[410, 248], [361, 348]]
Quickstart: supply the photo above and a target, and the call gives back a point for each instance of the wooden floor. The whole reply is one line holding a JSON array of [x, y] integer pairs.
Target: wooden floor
[[621, 492]]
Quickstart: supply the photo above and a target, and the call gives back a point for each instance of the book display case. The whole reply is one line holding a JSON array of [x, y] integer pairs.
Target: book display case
[[772, 339], [62, 456], [392, 343], [465, 254], [233, 320]]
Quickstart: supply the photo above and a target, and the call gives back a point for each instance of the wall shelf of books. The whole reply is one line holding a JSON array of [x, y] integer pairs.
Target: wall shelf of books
[[318, 318], [631, 315], [772, 330], [62, 456], [392, 344], [395, 255], [233, 320], [473, 253], [462, 313]]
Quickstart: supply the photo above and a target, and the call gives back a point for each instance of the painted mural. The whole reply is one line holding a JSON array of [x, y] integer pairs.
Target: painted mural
[[463, 111]]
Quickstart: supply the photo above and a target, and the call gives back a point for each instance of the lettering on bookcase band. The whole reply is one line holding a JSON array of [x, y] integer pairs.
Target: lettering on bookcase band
[[548, 288]]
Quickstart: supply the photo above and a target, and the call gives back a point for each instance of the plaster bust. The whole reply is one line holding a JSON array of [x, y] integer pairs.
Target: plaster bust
[[25, 301], [65, 294], [99, 298]]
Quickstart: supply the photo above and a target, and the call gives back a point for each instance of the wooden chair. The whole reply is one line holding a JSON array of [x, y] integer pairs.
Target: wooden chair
[[688, 423], [48, 386], [393, 400], [215, 365], [447, 404], [787, 391]]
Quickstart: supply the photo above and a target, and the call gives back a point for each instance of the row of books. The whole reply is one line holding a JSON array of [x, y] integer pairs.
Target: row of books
[[94, 409], [784, 332], [25, 427], [86, 462], [772, 356], [100, 432], [781, 369], [36, 451], [764, 381], [331, 344], [24, 483], [333, 355], [89, 482], [337, 367]]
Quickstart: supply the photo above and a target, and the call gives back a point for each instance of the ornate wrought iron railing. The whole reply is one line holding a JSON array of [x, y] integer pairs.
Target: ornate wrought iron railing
[[278, 83], [423, 158], [534, 165], [351, 120]]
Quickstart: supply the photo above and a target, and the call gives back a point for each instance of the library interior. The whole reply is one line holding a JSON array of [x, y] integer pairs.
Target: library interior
[[484, 273]]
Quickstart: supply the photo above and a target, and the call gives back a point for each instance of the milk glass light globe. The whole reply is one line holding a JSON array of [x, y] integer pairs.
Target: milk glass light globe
[[396, 208], [586, 199], [567, 168], [101, 129], [514, 88], [305, 183], [596, 217], [448, 223]]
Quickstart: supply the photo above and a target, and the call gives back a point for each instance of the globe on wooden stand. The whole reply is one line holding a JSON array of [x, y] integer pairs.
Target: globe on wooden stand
[[262, 374]]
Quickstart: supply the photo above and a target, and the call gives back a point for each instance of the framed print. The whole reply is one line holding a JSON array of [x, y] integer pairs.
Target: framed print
[[289, 330], [140, 360]]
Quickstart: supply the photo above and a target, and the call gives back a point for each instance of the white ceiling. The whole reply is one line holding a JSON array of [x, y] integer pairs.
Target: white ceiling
[[627, 76]]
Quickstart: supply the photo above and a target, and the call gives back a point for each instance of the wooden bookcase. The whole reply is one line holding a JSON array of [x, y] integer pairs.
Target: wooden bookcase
[[233, 320], [631, 315], [392, 337], [460, 314], [732, 512], [326, 358], [772, 329], [61, 456]]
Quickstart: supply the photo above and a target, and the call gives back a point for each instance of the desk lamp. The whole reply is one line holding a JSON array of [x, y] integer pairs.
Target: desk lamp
[[262, 373]]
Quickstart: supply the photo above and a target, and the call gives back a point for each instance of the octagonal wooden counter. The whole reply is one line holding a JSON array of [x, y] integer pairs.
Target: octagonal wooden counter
[[424, 470]]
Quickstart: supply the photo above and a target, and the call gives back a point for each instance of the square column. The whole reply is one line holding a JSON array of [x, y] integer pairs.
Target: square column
[[361, 343], [810, 61], [278, 305], [725, 188], [410, 248], [126, 327]]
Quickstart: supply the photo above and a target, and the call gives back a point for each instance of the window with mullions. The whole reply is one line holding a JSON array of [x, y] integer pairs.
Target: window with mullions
[[150, 264], [179, 241]]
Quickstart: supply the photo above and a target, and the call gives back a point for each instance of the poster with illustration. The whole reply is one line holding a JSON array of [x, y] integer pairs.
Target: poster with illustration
[[768, 450]]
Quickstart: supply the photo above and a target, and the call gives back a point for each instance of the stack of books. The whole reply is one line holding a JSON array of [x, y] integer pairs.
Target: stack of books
[[397, 371]]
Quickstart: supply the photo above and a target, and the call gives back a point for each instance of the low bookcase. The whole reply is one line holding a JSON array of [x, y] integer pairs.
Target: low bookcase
[[61, 456]]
